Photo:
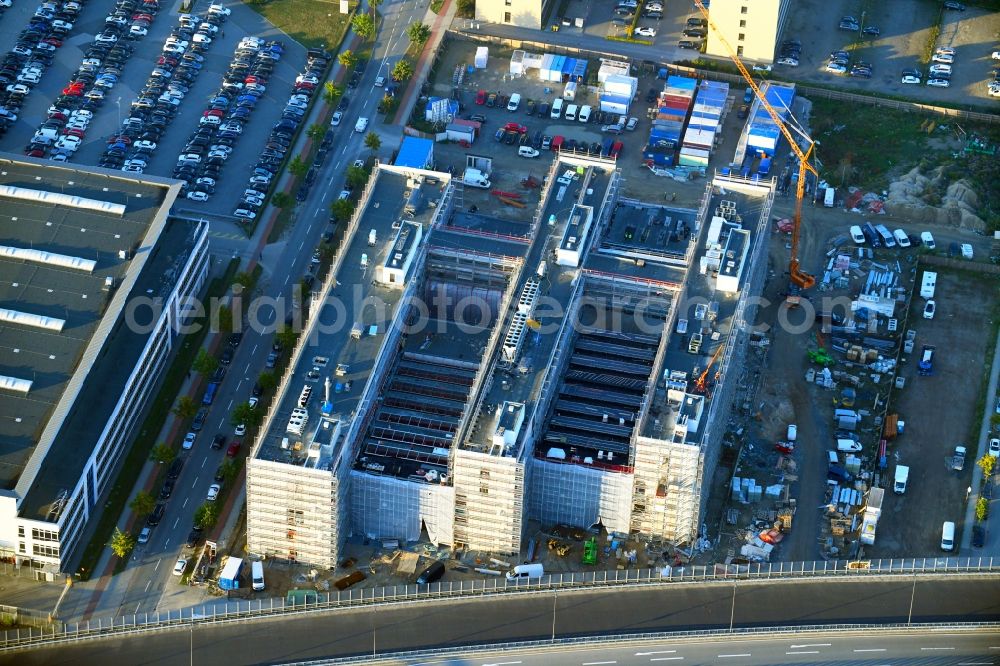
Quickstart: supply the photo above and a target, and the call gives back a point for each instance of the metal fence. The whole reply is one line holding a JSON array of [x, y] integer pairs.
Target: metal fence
[[232, 611], [807, 90]]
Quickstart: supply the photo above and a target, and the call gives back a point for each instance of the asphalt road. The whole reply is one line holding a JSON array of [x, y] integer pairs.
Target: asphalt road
[[151, 582], [540, 617]]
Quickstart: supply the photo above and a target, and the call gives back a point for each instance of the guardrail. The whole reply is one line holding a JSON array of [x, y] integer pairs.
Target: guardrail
[[636, 640], [232, 611]]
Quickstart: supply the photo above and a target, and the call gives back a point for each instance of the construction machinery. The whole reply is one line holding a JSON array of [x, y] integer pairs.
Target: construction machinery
[[701, 384], [799, 279]]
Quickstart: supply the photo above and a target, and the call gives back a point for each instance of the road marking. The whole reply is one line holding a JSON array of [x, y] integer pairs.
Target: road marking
[[975, 663], [316, 214], [727, 656], [938, 648], [137, 607], [177, 520], [148, 583], [803, 652], [230, 407], [195, 483], [646, 654], [795, 647], [185, 503], [302, 244], [666, 658], [343, 152], [253, 351], [502, 663], [308, 229], [287, 278], [871, 650], [597, 663], [203, 461]]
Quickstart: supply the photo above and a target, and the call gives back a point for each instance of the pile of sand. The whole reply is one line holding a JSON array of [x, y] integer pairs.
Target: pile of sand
[[909, 194]]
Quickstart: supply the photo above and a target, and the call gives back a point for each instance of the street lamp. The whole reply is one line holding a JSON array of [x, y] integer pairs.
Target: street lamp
[[119, 103]]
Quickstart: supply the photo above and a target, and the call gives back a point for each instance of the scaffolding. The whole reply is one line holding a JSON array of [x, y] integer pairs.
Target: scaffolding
[[489, 501], [386, 507], [578, 495]]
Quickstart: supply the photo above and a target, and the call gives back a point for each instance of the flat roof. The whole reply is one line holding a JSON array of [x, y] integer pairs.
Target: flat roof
[[403, 244], [58, 290], [349, 302], [736, 248]]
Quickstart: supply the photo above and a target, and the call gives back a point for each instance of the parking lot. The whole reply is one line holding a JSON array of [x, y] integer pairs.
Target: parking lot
[[903, 39], [133, 77]]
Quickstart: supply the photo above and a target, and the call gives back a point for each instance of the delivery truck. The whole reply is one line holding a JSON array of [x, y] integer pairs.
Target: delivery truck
[[928, 284], [229, 579], [901, 477]]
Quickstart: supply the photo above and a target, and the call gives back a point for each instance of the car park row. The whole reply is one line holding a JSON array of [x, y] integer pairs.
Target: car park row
[[22, 66], [200, 163], [181, 59], [282, 134], [64, 130]]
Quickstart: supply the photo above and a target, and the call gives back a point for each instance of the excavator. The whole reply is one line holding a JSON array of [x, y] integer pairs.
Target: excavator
[[799, 279]]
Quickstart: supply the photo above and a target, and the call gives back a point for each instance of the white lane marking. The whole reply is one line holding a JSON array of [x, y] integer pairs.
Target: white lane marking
[[302, 244], [597, 663], [666, 658], [203, 461], [287, 277], [938, 648], [308, 229], [727, 656], [342, 152], [137, 607], [975, 663], [316, 214], [230, 407], [177, 520], [646, 654], [805, 645], [148, 583], [803, 652], [185, 503], [254, 350], [157, 565], [195, 483], [871, 650], [502, 663]]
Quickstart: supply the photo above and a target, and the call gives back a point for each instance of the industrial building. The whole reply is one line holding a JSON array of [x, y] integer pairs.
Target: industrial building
[[751, 28], [522, 13], [453, 408], [94, 280]]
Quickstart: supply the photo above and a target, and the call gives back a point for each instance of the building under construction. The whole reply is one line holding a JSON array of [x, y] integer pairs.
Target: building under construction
[[574, 374]]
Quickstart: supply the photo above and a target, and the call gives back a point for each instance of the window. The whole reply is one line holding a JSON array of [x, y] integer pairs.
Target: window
[[506, 17], [743, 10], [484, 473], [45, 551], [739, 50], [740, 37], [508, 2], [484, 490], [21, 548], [44, 535], [743, 24], [20, 530]]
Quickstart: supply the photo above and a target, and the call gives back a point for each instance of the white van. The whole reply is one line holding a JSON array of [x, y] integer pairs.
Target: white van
[[257, 575], [887, 238], [901, 238], [571, 112], [848, 446], [514, 102], [557, 107], [902, 475], [364, 260], [947, 536], [372, 238], [569, 92], [525, 571], [856, 235], [927, 239], [828, 197], [966, 251], [584, 116], [928, 284]]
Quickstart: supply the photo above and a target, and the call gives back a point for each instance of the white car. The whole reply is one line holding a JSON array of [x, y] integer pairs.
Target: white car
[[792, 433], [59, 157], [361, 125], [213, 492], [996, 55], [244, 214], [337, 117], [835, 68], [146, 145], [940, 69], [645, 32], [197, 196], [205, 180], [82, 113], [201, 38], [70, 143], [254, 201], [241, 430], [132, 168], [943, 57], [253, 402], [138, 31], [945, 50], [180, 566], [188, 441], [789, 61], [929, 309], [938, 83], [144, 535], [909, 78], [762, 68], [208, 28], [994, 449], [219, 9], [29, 77]]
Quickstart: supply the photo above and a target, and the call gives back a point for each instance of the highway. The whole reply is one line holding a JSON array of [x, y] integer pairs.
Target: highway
[[541, 616], [148, 584]]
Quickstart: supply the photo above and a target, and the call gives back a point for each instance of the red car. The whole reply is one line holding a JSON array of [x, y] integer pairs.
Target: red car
[[616, 150], [58, 116], [218, 113], [142, 17], [515, 127], [166, 60], [35, 153], [481, 97], [74, 90], [74, 132], [233, 449], [120, 139], [54, 41]]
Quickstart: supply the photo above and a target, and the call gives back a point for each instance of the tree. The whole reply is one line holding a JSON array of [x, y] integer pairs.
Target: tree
[[243, 279], [403, 70], [229, 469], [356, 176], [163, 453], [268, 381], [298, 166], [373, 142], [143, 503], [282, 199], [225, 319], [206, 515], [982, 509], [122, 543], [364, 26], [244, 413], [342, 209], [331, 92], [467, 8], [205, 364], [987, 463], [374, 4], [418, 32], [186, 407], [347, 58], [316, 131], [286, 337]]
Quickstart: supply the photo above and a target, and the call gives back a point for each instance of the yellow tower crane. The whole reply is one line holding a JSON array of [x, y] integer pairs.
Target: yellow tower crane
[[798, 277]]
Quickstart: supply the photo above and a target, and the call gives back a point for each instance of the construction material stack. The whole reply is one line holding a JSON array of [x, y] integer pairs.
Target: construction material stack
[[703, 128], [672, 110], [761, 133]]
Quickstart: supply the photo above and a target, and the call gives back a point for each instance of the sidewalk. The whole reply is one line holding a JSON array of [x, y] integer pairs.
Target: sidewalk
[[992, 545], [439, 24]]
